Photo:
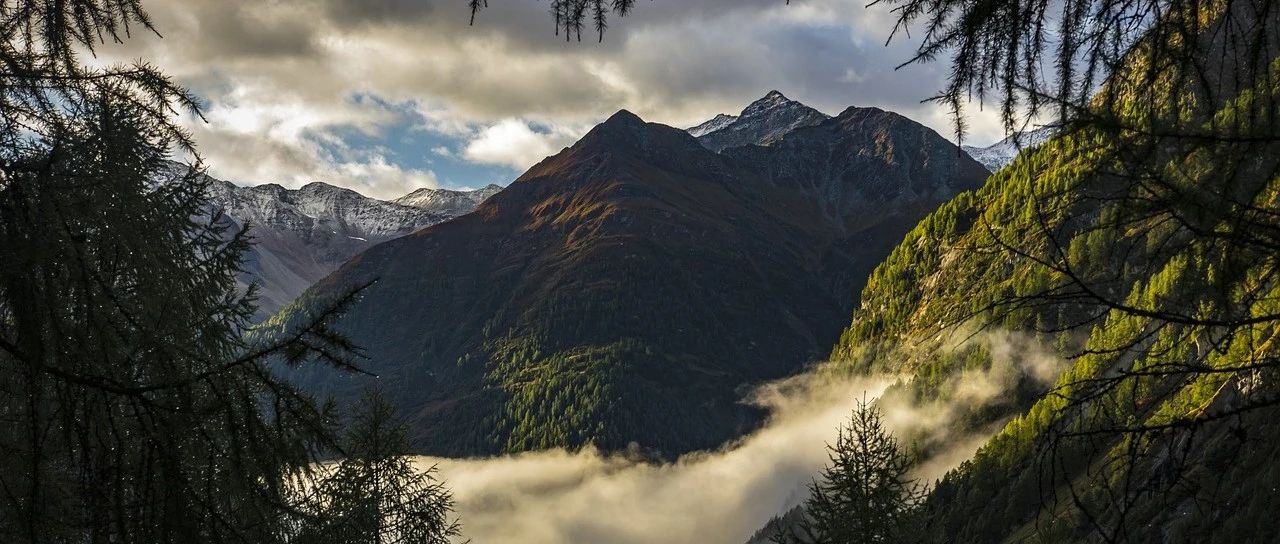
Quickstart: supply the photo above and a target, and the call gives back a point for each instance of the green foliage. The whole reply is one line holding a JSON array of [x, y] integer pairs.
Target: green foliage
[[1147, 255], [375, 494], [865, 494]]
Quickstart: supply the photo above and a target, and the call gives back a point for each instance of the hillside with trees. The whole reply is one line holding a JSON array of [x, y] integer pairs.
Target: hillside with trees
[[628, 291], [1140, 243]]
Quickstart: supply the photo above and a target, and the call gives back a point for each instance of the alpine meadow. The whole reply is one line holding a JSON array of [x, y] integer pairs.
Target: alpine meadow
[[618, 272]]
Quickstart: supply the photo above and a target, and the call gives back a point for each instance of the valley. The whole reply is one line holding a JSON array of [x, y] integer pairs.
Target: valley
[[832, 315]]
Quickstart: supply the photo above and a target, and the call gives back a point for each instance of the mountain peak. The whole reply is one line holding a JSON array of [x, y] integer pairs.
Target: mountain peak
[[997, 155], [320, 186], [718, 122], [762, 122], [773, 99], [419, 191], [624, 118], [449, 202]]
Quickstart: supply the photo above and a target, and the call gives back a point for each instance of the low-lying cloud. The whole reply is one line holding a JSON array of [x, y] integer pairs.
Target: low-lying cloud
[[725, 496]]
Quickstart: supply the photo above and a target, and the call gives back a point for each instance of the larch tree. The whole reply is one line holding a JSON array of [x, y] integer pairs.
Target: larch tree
[[133, 406]]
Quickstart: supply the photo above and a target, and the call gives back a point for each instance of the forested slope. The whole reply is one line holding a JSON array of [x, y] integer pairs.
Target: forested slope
[[1147, 260]]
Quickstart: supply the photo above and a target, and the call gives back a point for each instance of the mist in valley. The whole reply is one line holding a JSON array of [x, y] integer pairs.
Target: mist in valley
[[724, 496]]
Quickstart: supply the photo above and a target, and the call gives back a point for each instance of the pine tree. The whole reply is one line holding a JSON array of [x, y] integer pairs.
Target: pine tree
[[376, 494], [132, 408], [865, 494]]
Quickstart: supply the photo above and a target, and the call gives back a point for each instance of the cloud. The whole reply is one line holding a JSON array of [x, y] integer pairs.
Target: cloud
[[561, 497], [514, 143], [380, 179], [283, 75], [725, 496]]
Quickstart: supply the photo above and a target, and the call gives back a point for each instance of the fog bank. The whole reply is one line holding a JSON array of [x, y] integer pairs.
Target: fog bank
[[556, 497]]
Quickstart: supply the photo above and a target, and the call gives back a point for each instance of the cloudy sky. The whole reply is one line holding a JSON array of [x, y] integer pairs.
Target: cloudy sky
[[385, 96]]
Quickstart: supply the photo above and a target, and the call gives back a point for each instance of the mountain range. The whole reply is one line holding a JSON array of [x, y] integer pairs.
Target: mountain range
[[301, 235], [626, 292]]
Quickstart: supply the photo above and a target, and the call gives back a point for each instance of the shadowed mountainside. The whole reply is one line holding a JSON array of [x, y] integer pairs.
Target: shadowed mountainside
[[631, 288]]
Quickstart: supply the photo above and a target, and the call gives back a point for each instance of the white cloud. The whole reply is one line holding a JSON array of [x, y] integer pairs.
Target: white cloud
[[710, 498], [254, 135], [380, 179], [281, 75], [514, 143]]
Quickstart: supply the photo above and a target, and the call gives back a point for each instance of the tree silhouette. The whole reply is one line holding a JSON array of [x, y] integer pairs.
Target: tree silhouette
[[135, 408], [865, 494], [375, 493], [571, 16]]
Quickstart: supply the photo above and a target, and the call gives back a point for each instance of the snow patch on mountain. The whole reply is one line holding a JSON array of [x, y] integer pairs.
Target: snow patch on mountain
[[761, 123], [448, 201], [716, 123], [1001, 153]]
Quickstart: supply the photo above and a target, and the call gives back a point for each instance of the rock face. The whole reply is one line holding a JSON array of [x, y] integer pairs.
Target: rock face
[[761, 123], [715, 123], [448, 202], [301, 235], [628, 290], [864, 165], [997, 155]]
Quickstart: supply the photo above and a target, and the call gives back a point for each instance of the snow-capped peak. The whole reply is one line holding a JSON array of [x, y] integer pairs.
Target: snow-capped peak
[[771, 101], [716, 123], [447, 201], [997, 155], [762, 122]]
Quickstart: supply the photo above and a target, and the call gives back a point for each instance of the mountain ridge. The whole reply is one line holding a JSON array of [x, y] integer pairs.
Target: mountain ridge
[[1001, 153], [619, 292], [762, 122], [303, 234]]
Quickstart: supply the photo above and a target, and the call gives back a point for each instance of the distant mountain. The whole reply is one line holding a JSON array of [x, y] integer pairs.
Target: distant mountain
[[716, 123], [866, 166], [997, 155], [761, 123], [446, 201], [631, 288], [301, 235]]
